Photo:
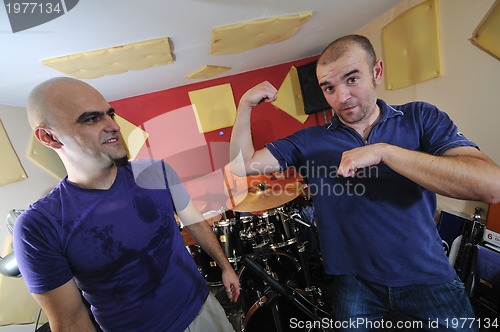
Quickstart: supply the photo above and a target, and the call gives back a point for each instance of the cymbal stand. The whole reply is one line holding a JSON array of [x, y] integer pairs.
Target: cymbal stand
[[312, 291]]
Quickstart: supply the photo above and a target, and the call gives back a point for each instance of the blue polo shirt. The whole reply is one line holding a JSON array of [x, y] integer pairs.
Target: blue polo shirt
[[377, 225]]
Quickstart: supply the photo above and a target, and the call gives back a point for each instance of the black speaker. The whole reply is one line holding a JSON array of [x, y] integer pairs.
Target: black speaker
[[314, 100]]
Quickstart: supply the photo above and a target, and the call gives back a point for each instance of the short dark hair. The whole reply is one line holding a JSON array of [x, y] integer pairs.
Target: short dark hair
[[339, 46]]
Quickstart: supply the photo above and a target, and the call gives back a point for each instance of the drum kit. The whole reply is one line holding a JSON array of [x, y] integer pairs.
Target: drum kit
[[268, 235]]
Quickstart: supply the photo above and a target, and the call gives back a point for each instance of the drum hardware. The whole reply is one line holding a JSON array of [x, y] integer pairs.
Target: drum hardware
[[302, 217], [275, 288], [282, 232], [301, 249], [277, 254], [257, 236], [297, 217], [261, 235], [257, 300], [314, 293]]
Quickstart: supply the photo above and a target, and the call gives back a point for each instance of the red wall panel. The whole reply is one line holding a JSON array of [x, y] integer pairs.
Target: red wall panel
[[200, 155]]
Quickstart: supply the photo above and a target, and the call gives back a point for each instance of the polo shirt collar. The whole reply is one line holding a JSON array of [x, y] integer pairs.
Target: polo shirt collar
[[386, 112]]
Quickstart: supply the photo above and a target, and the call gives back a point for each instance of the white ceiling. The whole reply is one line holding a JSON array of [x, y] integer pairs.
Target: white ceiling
[[97, 24]]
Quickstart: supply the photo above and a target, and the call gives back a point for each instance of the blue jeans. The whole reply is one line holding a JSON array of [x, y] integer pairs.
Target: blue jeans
[[359, 305]]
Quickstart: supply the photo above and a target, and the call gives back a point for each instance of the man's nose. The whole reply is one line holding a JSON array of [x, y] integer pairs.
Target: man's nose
[[111, 125], [342, 93]]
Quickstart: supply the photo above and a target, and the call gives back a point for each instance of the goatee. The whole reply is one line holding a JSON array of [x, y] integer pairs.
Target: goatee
[[120, 162]]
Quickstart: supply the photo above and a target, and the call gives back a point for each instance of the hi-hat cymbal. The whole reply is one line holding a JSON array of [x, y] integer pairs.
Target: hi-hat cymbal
[[265, 196]]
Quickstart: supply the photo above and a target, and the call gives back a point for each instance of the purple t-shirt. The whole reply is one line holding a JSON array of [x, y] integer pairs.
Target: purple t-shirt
[[122, 246]]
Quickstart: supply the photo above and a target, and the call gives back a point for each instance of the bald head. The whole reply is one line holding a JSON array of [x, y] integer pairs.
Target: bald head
[[341, 45], [53, 96]]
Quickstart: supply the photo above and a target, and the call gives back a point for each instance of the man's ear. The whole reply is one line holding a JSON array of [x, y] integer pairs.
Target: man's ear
[[378, 70], [48, 139]]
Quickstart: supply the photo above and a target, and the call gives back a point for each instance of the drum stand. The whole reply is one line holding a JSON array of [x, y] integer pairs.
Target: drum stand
[[312, 291], [272, 302], [275, 288]]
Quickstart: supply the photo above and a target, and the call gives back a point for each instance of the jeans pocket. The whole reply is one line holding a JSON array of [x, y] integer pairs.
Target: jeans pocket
[[456, 283]]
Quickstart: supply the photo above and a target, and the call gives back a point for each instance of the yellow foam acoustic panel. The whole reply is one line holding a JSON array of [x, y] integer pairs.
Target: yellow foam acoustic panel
[[114, 60], [213, 107], [133, 136], [252, 34], [207, 71], [46, 158], [12, 170], [487, 34], [411, 47], [289, 97]]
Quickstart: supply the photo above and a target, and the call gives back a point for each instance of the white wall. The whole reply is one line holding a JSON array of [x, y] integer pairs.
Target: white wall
[[468, 90], [18, 195]]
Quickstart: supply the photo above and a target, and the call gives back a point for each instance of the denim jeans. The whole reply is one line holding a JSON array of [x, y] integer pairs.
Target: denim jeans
[[359, 305]]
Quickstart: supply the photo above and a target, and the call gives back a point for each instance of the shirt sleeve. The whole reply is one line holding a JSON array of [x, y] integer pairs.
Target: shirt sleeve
[[439, 132], [39, 253], [287, 150]]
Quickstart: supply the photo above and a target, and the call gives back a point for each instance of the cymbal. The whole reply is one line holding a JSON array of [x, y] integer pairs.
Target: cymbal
[[265, 196]]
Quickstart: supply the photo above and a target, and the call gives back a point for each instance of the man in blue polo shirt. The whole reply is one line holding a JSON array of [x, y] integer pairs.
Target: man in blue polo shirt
[[373, 172]]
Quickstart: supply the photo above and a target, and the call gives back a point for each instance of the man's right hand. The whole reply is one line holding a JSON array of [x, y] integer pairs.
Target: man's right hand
[[262, 92]]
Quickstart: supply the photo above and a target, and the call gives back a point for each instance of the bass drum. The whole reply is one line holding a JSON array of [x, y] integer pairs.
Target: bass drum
[[257, 314], [259, 317]]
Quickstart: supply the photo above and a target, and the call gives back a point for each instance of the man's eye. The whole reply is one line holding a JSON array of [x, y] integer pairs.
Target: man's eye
[[92, 119], [352, 80]]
